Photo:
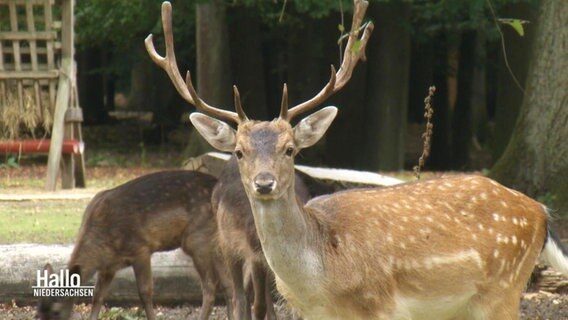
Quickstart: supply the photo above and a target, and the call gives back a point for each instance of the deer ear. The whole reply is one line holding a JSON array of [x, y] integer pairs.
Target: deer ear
[[308, 131], [219, 134]]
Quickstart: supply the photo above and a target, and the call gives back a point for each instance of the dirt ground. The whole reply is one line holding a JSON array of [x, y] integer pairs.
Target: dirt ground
[[534, 306]]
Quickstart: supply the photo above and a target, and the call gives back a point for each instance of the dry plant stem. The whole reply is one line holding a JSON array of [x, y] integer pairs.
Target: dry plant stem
[[427, 135]]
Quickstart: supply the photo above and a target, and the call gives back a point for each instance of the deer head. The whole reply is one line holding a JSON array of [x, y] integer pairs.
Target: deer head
[[266, 149]]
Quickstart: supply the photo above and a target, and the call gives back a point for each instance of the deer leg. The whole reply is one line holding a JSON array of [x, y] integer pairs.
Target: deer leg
[[240, 303], [259, 285], [143, 274], [268, 291], [496, 304], [226, 284], [209, 281], [102, 286]]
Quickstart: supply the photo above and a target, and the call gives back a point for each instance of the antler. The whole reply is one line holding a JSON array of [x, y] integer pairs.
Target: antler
[[186, 89], [354, 51]]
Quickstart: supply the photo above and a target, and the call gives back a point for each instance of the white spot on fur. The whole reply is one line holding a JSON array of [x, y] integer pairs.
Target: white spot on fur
[[501, 266], [457, 258]]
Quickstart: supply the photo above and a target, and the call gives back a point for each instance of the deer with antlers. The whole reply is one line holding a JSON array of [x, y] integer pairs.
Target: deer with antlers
[[449, 248]]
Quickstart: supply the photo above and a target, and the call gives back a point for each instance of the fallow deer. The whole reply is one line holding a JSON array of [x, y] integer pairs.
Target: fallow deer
[[239, 243], [123, 226], [451, 248]]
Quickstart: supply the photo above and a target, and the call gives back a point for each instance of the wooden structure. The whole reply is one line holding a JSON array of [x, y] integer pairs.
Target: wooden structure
[[36, 54]]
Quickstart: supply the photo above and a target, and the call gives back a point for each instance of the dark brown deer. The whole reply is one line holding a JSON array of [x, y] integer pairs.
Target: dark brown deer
[[123, 226], [239, 243], [451, 248]]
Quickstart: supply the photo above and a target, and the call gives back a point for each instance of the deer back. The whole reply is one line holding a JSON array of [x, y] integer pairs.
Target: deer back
[[150, 213]]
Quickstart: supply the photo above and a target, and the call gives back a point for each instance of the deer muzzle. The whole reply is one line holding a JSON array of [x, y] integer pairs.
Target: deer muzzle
[[264, 183]]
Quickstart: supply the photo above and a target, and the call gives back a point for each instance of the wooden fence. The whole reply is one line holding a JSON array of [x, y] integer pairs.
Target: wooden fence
[[37, 69]]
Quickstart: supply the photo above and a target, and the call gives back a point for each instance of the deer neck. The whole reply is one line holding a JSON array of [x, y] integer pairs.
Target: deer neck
[[289, 239]]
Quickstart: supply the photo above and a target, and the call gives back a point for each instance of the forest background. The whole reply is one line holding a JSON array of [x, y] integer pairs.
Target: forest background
[[499, 66]]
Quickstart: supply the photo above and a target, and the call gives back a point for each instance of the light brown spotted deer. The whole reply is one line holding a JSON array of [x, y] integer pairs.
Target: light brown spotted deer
[[452, 248], [123, 226]]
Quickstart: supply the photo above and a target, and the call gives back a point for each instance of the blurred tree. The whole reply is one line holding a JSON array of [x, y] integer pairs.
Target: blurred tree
[[387, 86], [213, 64], [535, 160]]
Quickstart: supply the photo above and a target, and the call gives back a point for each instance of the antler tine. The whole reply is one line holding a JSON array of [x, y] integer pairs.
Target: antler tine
[[169, 64], [237, 96], [284, 104], [351, 56]]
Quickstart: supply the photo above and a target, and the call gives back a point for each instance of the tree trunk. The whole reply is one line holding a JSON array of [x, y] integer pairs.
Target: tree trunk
[[440, 155], [387, 89], [536, 159], [247, 62], [213, 65], [461, 117], [91, 85], [303, 65]]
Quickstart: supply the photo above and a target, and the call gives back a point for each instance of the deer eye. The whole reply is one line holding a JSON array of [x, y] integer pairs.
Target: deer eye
[[289, 151], [239, 154]]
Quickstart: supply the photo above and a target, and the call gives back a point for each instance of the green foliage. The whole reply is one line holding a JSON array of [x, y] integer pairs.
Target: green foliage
[[516, 24], [11, 162], [115, 313], [116, 22], [547, 198], [121, 26], [432, 17], [313, 8]]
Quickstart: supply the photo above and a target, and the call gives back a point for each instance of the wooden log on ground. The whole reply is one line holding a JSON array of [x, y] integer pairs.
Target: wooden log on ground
[[546, 279], [175, 278], [319, 180]]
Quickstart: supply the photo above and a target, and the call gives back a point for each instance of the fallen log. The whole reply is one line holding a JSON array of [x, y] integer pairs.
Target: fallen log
[[175, 278]]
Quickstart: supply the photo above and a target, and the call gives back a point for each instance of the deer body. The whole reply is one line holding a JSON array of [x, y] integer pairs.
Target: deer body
[[123, 226], [240, 245], [407, 252]]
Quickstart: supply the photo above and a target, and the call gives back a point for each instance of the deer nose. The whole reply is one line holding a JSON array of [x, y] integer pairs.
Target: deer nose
[[264, 183]]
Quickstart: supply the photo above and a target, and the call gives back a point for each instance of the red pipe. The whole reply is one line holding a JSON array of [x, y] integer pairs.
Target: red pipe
[[40, 146]]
